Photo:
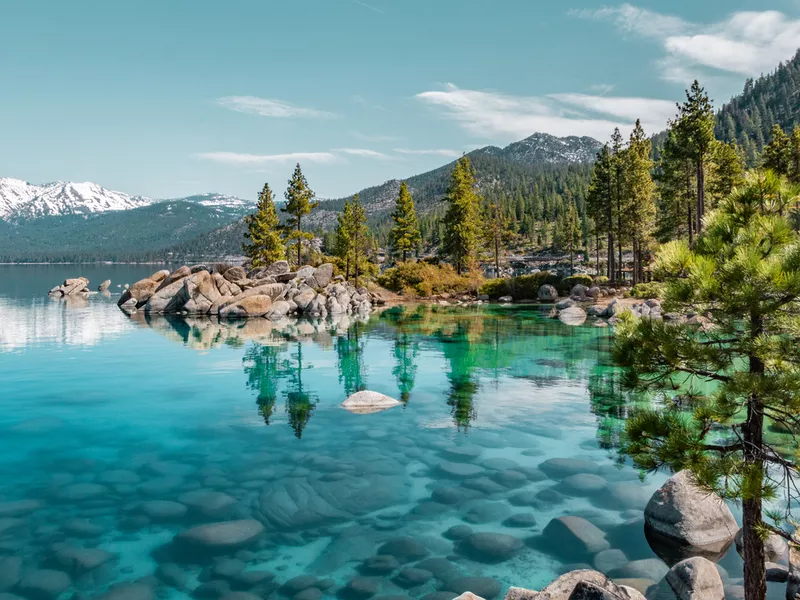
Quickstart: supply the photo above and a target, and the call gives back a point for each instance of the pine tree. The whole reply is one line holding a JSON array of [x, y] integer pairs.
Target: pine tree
[[744, 271], [344, 242], [263, 244], [353, 240], [727, 171], [572, 232], [496, 233], [695, 131], [794, 157], [462, 227], [618, 176], [404, 237], [640, 196], [299, 203], [600, 203], [677, 192], [777, 154]]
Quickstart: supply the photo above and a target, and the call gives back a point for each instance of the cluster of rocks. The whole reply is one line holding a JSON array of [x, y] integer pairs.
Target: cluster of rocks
[[272, 292], [77, 287]]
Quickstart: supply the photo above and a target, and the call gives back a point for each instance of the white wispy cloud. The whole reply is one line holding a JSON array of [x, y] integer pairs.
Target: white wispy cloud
[[268, 107], [745, 43], [429, 152], [505, 117], [602, 88], [363, 152], [243, 159]]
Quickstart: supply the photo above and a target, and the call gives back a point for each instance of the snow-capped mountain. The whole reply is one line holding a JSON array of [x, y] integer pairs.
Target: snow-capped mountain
[[20, 199], [545, 148]]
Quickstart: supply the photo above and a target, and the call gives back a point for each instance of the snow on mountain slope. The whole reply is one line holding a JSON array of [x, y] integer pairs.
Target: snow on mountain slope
[[545, 148], [20, 199]]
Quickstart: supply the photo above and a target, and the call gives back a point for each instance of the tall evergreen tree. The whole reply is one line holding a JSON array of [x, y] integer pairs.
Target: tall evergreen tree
[[640, 196], [572, 232], [744, 271], [353, 239], [695, 131], [344, 241], [727, 171], [299, 203], [678, 192], [777, 154], [404, 238], [600, 203], [263, 244], [462, 220], [618, 173], [496, 233], [794, 156]]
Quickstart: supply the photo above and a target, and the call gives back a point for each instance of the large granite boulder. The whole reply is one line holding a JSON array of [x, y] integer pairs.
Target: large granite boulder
[[235, 274], [167, 298], [574, 315], [249, 306], [139, 291], [279, 267], [690, 517], [367, 402], [200, 292], [696, 578], [564, 587], [547, 293], [176, 275], [323, 274]]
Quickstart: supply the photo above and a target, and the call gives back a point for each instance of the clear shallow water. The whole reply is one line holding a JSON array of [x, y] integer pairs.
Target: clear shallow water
[[122, 433]]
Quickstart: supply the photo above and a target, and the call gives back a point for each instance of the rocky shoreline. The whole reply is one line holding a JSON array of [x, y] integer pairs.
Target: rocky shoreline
[[272, 292]]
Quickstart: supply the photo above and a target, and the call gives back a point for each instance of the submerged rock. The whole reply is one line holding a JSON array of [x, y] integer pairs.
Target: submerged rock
[[219, 538], [367, 402], [491, 547], [575, 537], [689, 516]]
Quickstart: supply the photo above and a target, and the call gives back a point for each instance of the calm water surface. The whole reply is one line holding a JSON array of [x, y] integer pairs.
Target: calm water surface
[[118, 434]]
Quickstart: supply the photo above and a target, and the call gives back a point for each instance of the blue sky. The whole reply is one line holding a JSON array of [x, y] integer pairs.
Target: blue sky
[[169, 98]]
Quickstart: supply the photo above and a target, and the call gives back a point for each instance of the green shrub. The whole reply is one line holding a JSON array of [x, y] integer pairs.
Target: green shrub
[[425, 279], [579, 278], [644, 291], [601, 280], [495, 288]]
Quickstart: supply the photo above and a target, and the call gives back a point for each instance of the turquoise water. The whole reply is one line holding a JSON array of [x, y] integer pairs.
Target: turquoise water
[[119, 434]]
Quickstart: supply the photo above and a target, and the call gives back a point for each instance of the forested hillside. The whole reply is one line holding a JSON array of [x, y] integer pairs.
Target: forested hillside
[[770, 100], [140, 234]]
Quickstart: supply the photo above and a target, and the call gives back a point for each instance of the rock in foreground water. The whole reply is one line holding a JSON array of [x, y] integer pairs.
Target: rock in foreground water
[[367, 402]]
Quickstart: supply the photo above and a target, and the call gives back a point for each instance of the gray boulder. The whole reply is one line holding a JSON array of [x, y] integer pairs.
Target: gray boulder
[[566, 303], [249, 306], [689, 516], [367, 402], [563, 588], [574, 315], [304, 299], [200, 293], [235, 274], [323, 274], [547, 293], [279, 267], [579, 290], [575, 536], [775, 547], [696, 578], [103, 287]]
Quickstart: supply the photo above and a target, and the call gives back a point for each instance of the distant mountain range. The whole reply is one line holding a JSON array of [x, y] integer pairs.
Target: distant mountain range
[[67, 221], [22, 200]]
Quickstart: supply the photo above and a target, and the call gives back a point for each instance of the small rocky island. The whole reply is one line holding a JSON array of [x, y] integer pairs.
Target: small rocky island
[[233, 292]]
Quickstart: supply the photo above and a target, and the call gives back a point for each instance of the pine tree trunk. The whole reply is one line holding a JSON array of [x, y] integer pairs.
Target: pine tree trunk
[[496, 256], [597, 253], [701, 193], [610, 265], [755, 581], [299, 242], [634, 272], [690, 224]]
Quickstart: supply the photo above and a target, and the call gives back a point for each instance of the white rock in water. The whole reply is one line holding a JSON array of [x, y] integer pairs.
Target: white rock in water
[[366, 402]]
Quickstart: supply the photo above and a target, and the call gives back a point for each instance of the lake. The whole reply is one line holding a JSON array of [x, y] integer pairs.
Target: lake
[[121, 438]]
